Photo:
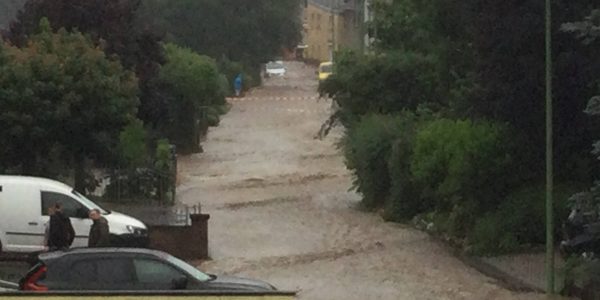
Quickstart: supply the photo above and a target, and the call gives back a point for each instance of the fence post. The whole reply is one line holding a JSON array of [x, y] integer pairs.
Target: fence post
[[173, 149], [187, 215], [161, 193]]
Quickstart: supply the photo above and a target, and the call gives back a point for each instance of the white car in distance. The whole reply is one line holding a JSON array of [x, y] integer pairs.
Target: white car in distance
[[275, 69]]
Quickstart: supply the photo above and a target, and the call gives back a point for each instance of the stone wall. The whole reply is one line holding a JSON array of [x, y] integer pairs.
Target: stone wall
[[185, 242]]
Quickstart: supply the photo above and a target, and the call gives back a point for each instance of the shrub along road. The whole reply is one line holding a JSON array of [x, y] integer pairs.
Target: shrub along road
[[281, 211]]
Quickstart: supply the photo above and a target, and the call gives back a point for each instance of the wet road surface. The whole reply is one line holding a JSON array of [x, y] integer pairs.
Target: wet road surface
[[281, 210]]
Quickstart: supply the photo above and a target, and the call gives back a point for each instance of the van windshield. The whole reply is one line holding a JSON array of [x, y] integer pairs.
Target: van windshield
[[89, 203]]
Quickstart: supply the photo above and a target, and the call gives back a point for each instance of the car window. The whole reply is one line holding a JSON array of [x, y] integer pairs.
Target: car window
[[102, 273], [149, 271], [82, 272], [199, 275], [274, 66], [326, 69], [70, 205], [115, 271], [89, 203]]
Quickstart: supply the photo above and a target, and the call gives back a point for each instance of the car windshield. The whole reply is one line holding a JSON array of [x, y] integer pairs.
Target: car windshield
[[272, 66], [89, 203], [199, 275], [326, 68]]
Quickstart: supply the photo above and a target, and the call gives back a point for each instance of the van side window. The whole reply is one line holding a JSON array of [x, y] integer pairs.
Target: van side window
[[70, 205]]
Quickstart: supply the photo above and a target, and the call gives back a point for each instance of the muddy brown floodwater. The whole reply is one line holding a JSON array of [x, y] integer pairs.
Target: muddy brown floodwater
[[281, 210]]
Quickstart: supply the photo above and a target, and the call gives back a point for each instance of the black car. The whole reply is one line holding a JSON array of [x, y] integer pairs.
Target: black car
[[107, 269]]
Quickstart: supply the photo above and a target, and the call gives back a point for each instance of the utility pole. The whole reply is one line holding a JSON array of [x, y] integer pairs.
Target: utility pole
[[549, 157]]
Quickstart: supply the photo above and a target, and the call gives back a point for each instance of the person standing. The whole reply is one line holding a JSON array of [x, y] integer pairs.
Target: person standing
[[50, 212], [237, 85], [32, 258], [99, 233], [60, 232]]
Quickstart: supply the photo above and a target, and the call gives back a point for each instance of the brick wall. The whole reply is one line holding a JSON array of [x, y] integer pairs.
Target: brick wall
[[185, 242]]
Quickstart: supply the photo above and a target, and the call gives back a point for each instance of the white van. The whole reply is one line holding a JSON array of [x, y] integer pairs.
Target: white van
[[24, 202]]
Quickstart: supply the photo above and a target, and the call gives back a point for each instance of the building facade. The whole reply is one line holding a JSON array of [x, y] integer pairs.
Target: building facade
[[330, 26]]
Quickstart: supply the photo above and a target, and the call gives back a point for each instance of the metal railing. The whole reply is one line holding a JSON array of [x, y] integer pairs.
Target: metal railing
[[177, 215]]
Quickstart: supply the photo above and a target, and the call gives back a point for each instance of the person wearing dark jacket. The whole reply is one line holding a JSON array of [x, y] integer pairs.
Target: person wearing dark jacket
[[60, 232], [99, 234]]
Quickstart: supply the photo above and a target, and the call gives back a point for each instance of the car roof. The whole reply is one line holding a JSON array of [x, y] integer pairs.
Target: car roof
[[92, 251], [29, 180], [327, 63]]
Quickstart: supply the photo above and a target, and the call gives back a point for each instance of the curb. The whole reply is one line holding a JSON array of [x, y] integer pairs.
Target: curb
[[502, 278]]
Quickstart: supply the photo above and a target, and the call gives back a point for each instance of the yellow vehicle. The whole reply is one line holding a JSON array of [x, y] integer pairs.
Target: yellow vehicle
[[325, 70]]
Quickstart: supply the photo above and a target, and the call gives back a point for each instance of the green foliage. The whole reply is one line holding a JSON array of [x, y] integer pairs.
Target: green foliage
[[403, 202], [195, 88], [163, 155], [132, 144], [110, 25], [477, 64], [519, 220], [366, 148], [195, 78], [147, 182], [390, 82], [582, 277], [457, 161], [251, 77], [62, 95], [250, 32]]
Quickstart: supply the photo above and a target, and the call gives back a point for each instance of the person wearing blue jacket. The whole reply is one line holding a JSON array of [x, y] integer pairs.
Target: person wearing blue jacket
[[237, 85]]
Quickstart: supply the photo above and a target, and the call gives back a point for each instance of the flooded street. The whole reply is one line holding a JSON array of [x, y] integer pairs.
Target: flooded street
[[281, 210]]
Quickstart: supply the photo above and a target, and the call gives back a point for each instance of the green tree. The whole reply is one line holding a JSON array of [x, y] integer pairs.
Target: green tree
[[251, 32], [111, 25], [62, 99], [194, 85], [390, 83], [133, 144]]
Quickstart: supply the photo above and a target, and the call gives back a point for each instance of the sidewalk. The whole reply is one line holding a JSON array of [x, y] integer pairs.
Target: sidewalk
[[528, 268]]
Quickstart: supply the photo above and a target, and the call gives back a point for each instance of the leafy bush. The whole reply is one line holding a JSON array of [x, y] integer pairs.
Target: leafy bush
[[195, 86], [460, 167], [143, 183], [403, 202], [519, 220], [132, 144], [231, 69], [163, 155], [367, 146], [582, 278], [62, 94], [460, 160], [389, 83]]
